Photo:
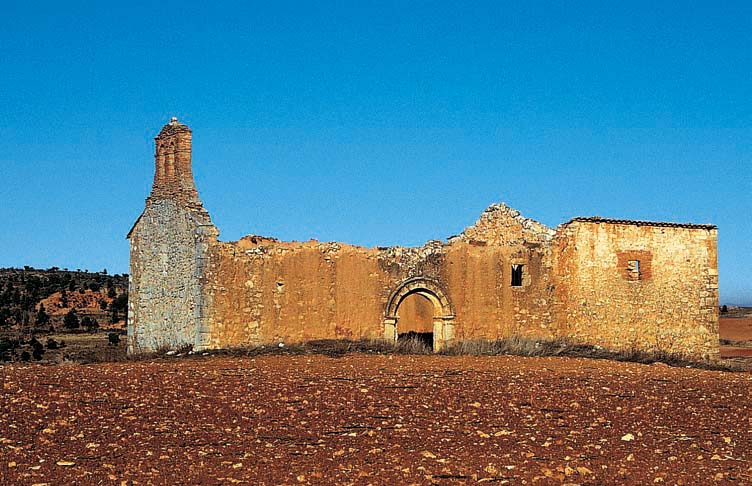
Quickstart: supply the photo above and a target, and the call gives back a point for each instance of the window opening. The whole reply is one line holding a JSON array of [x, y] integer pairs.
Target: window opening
[[633, 269], [517, 275]]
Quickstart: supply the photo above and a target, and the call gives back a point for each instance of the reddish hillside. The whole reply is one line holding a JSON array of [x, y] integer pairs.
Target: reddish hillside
[[88, 302], [22, 290]]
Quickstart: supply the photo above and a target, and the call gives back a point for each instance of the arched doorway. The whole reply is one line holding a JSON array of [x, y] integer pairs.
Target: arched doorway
[[411, 298]]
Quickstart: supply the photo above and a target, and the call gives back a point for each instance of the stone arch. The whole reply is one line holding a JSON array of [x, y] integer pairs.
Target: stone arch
[[443, 320]]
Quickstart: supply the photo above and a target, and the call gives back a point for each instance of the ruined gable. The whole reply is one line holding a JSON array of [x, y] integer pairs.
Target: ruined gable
[[501, 225]]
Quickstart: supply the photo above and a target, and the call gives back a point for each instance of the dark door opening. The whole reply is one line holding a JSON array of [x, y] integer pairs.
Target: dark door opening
[[415, 321], [418, 338]]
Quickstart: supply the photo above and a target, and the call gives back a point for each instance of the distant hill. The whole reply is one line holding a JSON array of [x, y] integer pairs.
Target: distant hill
[[39, 301]]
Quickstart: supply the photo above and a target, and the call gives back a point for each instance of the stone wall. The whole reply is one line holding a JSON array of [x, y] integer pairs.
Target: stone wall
[[619, 284], [168, 254], [264, 290], [669, 304]]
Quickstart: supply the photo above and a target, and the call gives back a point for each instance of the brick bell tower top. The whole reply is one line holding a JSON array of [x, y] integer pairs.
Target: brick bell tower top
[[173, 175]]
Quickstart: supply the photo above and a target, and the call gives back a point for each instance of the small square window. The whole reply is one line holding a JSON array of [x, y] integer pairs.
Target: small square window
[[517, 275], [633, 269]]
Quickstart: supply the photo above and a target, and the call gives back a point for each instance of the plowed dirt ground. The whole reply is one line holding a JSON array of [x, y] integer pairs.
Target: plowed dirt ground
[[737, 332], [362, 419]]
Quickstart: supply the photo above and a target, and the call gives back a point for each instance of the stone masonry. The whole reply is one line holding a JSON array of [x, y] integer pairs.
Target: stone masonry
[[619, 284]]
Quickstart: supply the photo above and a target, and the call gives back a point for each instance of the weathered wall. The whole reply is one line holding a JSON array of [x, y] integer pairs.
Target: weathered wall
[[168, 252], [265, 291], [671, 306], [271, 291]]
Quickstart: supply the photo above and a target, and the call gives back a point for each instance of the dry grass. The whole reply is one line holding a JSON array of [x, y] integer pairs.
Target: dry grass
[[522, 346], [513, 346]]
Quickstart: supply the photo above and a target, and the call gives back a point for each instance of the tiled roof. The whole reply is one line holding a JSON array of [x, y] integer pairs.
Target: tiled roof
[[598, 219]]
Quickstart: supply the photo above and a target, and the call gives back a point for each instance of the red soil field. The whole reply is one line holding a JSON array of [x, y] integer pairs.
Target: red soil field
[[739, 330], [382, 420], [735, 328]]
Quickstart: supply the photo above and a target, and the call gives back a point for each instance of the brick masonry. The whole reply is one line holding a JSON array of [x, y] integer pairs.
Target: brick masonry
[[578, 281]]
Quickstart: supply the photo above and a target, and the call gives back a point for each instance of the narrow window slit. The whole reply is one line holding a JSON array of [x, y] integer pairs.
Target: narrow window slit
[[517, 275], [633, 269]]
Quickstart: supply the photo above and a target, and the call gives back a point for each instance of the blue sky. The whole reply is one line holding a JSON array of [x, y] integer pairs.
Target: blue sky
[[374, 123]]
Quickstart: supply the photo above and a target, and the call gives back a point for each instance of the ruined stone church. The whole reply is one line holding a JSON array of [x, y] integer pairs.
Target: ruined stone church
[[619, 284]]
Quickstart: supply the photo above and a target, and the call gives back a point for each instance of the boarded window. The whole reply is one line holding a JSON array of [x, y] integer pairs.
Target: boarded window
[[517, 275], [633, 269]]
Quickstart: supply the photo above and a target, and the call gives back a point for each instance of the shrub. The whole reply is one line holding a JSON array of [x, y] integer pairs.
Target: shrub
[[89, 324], [43, 319], [113, 338], [7, 346], [35, 344], [37, 349], [71, 320]]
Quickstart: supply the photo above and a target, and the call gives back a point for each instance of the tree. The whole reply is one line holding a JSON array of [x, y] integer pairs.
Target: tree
[[103, 304], [71, 320], [37, 349], [89, 324], [111, 292], [43, 319], [4, 317], [7, 346], [119, 304]]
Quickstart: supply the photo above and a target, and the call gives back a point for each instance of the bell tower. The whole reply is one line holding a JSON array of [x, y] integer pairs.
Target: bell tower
[[173, 175], [170, 252]]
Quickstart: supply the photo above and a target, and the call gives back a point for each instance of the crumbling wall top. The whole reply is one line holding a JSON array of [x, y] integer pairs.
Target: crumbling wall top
[[172, 128], [501, 224]]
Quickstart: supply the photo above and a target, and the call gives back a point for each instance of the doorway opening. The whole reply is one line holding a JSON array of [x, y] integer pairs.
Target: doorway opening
[[415, 317], [420, 311]]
